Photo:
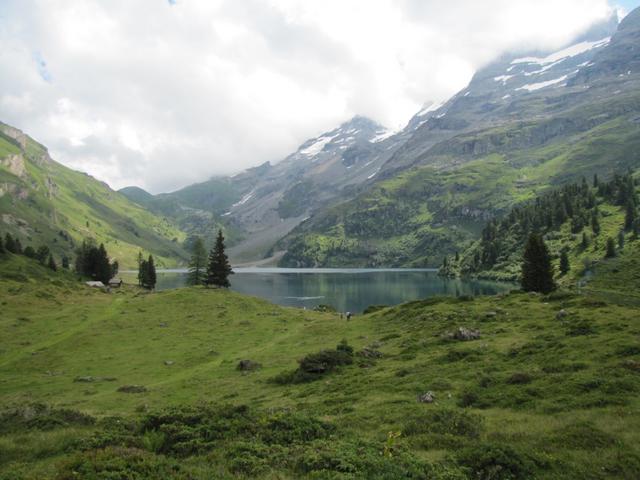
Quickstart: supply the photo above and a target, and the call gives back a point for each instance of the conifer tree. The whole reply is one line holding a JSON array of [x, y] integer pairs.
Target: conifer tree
[[52, 263], [218, 269], [630, 215], [596, 183], [18, 247], [611, 248], [143, 273], [1, 245], [564, 262], [151, 273], [141, 269], [537, 270], [103, 267], [65, 262], [595, 223], [42, 254], [10, 243], [585, 241], [198, 263], [621, 239]]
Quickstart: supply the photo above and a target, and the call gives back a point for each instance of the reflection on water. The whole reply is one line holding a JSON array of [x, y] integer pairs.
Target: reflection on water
[[345, 289]]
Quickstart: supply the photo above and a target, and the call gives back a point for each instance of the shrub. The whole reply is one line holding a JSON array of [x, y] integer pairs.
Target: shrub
[[38, 416], [315, 365], [581, 327], [453, 422], [519, 378], [120, 463], [497, 462]]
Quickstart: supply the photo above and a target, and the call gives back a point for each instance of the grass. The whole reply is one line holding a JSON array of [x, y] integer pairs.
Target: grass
[[536, 395]]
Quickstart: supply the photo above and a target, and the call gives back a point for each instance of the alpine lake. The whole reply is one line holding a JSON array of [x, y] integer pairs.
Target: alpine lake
[[347, 290]]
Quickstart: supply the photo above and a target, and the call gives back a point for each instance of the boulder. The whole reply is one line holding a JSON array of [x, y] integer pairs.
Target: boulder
[[248, 365], [465, 334], [562, 314], [427, 397], [168, 363], [132, 389]]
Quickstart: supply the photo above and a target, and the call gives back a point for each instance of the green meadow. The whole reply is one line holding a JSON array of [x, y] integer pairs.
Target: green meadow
[[131, 384]]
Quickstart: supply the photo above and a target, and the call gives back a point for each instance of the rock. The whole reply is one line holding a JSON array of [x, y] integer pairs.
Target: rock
[[248, 365], [491, 314], [132, 389], [562, 314], [168, 363], [427, 397], [369, 352], [87, 379], [163, 324], [465, 334]]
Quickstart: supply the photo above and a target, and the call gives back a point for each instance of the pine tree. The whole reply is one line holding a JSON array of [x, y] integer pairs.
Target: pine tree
[[585, 241], [151, 274], [103, 267], [10, 243], [18, 246], [65, 262], [42, 254], [143, 273], [537, 270], [596, 183], [611, 248], [630, 215], [595, 223], [621, 239], [1, 245], [218, 269], [564, 263], [115, 268], [52, 263], [198, 263]]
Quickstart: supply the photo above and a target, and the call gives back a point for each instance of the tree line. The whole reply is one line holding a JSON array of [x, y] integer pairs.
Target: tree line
[[522, 230], [42, 254]]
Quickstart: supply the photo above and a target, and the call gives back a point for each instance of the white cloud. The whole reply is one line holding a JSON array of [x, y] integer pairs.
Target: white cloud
[[164, 93]]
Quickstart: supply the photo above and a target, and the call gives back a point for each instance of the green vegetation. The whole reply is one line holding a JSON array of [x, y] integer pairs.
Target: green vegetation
[[218, 268], [45, 203], [135, 384], [578, 221], [537, 271]]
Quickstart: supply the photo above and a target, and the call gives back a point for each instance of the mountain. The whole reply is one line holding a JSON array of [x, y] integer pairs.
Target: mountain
[[262, 204], [524, 124], [44, 203]]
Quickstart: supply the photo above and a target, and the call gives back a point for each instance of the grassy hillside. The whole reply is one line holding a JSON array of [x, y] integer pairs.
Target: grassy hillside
[[539, 395], [43, 202]]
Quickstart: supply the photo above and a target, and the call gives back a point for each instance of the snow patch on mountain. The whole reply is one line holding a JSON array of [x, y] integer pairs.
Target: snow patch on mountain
[[317, 146], [565, 53], [429, 108], [538, 86]]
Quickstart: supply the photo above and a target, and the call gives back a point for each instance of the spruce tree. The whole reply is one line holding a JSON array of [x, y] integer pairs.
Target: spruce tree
[[218, 269], [596, 183], [1, 245], [585, 241], [10, 243], [630, 215], [595, 223], [198, 263], [151, 274], [42, 254], [52, 263], [611, 248], [537, 270], [564, 262], [65, 262], [18, 246], [621, 239], [143, 273], [103, 267]]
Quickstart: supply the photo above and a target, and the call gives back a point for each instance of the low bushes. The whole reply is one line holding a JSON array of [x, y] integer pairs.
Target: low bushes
[[315, 365]]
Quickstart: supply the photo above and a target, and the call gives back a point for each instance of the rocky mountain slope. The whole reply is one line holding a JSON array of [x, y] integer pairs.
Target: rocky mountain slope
[[524, 124], [45, 203]]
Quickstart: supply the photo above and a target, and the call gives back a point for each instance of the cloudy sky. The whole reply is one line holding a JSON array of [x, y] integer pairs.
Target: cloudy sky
[[164, 93]]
